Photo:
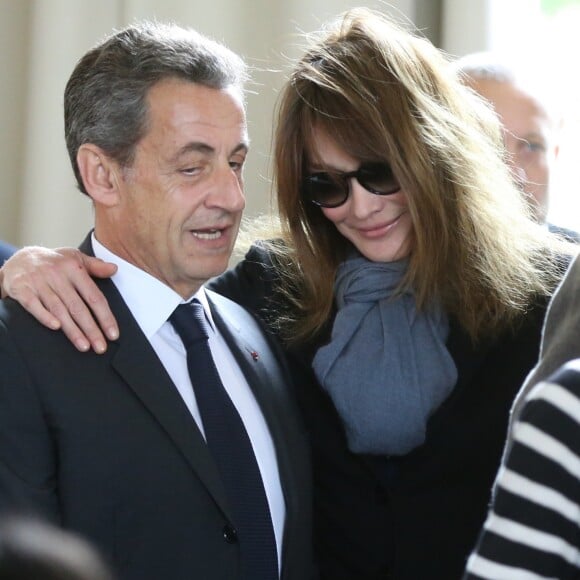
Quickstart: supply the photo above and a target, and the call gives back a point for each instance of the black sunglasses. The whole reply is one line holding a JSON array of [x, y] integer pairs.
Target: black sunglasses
[[332, 188]]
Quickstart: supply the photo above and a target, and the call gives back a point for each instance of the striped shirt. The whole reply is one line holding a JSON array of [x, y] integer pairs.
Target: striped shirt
[[533, 528]]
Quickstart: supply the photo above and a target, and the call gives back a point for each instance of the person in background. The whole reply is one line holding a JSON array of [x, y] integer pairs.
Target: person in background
[[6, 250], [531, 124], [34, 550], [179, 452], [408, 286], [532, 527]]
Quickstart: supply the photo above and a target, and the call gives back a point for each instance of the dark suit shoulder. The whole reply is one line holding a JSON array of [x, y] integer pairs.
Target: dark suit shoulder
[[18, 322]]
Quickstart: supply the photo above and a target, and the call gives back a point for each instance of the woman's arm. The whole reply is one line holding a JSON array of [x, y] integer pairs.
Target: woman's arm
[[250, 282], [56, 287]]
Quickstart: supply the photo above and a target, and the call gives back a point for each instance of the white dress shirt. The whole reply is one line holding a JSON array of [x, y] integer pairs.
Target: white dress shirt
[[151, 303]]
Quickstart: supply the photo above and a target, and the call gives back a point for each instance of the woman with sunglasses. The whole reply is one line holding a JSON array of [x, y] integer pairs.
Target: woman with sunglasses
[[408, 286]]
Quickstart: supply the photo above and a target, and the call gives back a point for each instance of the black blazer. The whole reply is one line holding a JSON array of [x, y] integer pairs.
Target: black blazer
[[417, 516], [104, 446]]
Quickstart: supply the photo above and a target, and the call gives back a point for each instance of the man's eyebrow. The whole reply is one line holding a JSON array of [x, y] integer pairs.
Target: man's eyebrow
[[205, 149], [527, 136], [535, 135], [242, 147], [193, 147]]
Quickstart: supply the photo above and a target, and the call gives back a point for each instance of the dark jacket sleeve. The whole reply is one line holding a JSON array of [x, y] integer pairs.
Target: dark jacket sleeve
[[250, 283]]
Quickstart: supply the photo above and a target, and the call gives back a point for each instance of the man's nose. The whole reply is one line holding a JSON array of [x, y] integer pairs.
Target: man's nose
[[227, 191]]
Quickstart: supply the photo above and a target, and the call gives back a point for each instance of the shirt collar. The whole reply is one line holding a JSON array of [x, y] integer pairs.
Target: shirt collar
[[150, 301]]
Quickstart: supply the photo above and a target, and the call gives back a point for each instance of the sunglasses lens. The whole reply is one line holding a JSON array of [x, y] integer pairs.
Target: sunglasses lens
[[378, 178], [325, 189], [328, 189]]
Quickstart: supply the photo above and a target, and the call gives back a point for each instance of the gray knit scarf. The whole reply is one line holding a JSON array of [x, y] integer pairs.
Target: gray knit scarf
[[386, 366]]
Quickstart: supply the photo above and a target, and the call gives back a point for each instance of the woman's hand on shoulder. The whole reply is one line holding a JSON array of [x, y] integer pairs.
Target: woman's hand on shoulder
[[56, 287]]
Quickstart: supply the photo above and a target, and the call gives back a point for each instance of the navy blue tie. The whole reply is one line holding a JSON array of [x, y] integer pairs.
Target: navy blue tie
[[230, 447]]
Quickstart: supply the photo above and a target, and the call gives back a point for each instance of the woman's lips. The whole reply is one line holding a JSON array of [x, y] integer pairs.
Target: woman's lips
[[380, 230]]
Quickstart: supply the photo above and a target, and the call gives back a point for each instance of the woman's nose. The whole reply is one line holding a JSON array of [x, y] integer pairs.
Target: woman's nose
[[363, 203]]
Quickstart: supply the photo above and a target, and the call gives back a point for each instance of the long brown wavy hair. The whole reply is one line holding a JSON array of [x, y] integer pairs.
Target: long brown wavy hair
[[383, 92]]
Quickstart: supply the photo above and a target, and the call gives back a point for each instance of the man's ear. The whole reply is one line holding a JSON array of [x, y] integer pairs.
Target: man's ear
[[100, 174]]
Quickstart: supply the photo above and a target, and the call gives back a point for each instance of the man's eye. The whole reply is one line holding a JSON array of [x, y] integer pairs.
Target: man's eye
[[536, 146], [532, 146], [237, 165], [191, 170]]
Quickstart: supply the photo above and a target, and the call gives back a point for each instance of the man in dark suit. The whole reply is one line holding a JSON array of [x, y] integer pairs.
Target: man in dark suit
[[6, 250], [117, 446]]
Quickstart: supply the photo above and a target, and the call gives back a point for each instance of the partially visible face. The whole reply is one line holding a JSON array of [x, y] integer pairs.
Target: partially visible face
[[181, 200], [529, 135], [380, 227]]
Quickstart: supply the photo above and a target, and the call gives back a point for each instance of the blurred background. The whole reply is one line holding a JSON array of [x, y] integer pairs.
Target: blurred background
[[41, 40]]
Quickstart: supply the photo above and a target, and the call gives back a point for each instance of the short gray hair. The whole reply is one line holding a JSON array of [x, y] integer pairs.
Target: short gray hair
[[536, 81], [105, 100], [485, 66]]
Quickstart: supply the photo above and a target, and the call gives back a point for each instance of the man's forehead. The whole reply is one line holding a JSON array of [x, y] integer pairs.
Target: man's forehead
[[512, 99], [190, 112], [525, 115]]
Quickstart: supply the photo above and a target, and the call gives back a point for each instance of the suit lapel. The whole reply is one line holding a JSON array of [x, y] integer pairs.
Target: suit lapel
[[253, 357], [135, 361], [138, 365], [260, 368]]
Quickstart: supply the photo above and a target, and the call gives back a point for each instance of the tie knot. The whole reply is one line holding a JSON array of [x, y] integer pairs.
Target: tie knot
[[189, 322]]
